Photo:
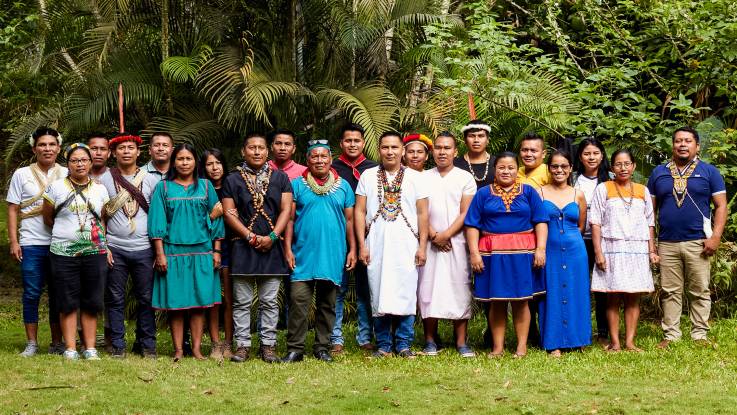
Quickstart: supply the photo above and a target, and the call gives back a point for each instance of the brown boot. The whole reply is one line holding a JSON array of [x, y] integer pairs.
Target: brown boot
[[216, 351], [663, 344], [268, 354], [337, 349], [241, 354]]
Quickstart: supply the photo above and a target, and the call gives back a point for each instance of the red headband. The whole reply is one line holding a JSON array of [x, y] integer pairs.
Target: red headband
[[420, 138], [123, 138]]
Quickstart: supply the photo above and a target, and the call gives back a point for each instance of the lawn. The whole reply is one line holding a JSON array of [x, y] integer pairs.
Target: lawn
[[686, 379]]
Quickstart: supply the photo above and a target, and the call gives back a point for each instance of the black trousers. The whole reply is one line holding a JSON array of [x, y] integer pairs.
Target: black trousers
[[301, 293], [602, 326]]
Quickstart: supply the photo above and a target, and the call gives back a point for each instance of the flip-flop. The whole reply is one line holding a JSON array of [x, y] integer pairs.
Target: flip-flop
[[633, 349], [611, 349], [518, 355], [492, 355]]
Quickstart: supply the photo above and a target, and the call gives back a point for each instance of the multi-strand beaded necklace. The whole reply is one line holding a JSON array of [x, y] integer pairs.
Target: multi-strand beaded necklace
[[390, 199]]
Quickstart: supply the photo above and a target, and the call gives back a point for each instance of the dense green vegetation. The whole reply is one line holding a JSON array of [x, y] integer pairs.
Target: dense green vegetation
[[628, 72]]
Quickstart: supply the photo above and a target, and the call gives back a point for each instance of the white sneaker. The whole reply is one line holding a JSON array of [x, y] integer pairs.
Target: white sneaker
[[71, 355], [30, 350], [90, 354]]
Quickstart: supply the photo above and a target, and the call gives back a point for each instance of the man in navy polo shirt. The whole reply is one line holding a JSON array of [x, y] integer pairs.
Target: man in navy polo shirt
[[683, 190]]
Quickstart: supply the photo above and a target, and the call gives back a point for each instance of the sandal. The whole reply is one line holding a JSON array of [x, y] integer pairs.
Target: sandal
[[492, 355], [611, 349]]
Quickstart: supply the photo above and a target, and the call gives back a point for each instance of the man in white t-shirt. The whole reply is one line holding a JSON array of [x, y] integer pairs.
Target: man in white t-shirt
[[29, 245]]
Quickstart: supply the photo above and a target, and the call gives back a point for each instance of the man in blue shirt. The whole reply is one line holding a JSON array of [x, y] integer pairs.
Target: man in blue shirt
[[683, 190]]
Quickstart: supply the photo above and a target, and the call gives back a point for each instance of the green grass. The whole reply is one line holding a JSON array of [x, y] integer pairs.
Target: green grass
[[686, 379]]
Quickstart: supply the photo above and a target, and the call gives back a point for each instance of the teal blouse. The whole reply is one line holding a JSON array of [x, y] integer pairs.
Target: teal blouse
[[181, 215]]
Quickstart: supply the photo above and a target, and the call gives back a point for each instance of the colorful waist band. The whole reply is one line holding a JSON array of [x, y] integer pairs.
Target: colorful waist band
[[507, 243]]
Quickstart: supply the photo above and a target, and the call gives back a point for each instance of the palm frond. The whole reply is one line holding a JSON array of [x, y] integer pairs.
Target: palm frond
[[372, 106]]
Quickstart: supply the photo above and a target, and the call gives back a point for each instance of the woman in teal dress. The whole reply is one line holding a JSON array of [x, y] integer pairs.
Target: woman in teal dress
[[187, 244]]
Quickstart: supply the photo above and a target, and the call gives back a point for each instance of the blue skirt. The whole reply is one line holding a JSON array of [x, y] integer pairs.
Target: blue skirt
[[508, 268]]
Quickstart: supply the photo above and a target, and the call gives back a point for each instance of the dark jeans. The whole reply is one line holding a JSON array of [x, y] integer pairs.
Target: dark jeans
[[301, 293], [602, 326], [35, 269], [139, 265], [404, 334]]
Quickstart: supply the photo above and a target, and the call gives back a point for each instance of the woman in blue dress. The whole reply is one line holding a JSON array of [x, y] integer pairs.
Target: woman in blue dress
[[565, 312], [506, 231], [187, 245]]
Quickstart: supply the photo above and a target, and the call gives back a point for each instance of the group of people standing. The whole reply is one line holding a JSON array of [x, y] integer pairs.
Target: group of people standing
[[192, 236]]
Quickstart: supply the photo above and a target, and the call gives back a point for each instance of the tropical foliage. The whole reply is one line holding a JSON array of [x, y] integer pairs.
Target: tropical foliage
[[210, 71]]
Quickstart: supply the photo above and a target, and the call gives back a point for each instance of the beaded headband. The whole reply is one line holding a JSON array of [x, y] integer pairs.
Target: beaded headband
[[476, 126], [313, 144], [418, 138], [32, 142], [123, 138], [73, 147]]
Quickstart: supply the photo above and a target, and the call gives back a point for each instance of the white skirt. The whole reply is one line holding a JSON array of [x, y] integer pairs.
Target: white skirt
[[627, 268]]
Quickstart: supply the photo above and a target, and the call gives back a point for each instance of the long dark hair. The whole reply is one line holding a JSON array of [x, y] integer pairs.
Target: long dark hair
[[203, 163], [603, 173], [562, 153], [172, 173]]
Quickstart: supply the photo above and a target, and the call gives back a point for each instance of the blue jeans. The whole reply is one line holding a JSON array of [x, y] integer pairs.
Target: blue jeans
[[36, 271], [403, 335], [139, 265], [363, 308]]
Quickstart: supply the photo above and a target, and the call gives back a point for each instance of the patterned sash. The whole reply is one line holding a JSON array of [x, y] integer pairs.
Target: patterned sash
[[42, 182]]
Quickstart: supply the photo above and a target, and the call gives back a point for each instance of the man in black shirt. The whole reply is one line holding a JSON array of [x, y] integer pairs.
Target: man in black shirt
[[477, 160], [349, 165]]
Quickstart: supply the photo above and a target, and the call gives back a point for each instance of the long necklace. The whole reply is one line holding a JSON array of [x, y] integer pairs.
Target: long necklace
[[390, 199], [508, 196], [257, 183], [331, 184], [627, 203], [77, 189], [470, 168], [680, 180]]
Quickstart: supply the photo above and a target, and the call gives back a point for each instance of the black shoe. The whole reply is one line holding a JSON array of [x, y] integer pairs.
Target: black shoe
[[323, 356], [187, 348], [137, 348], [292, 357], [117, 353]]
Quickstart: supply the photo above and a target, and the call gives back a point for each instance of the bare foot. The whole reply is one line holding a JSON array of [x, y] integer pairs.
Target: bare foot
[[603, 341], [613, 348], [555, 353], [178, 355], [518, 355], [198, 355], [495, 355], [633, 348]]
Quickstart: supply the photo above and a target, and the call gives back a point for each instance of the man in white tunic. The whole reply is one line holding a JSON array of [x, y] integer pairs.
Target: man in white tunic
[[445, 284], [392, 228]]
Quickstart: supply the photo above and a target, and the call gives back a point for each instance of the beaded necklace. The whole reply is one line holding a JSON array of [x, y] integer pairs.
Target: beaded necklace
[[627, 203], [78, 189], [390, 199], [257, 183], [680, 180], [331, 184], [470, 168], [508, 196]]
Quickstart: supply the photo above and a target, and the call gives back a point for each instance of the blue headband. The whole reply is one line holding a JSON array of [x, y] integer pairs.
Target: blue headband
[[313, 144]]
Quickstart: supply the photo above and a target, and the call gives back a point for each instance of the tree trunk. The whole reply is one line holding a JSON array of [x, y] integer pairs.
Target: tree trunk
[[165, 53]]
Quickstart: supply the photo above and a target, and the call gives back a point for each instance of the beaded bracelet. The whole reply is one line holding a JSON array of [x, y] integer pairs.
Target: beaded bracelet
[[273, 236]]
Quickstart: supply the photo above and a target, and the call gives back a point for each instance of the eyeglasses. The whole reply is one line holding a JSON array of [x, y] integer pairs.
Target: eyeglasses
[[623, 165], [560, 166], [79, 161]]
